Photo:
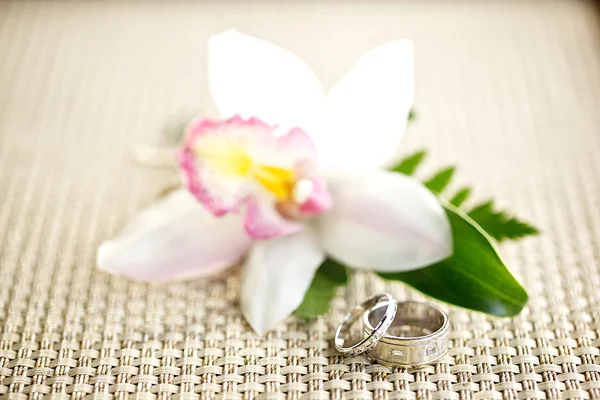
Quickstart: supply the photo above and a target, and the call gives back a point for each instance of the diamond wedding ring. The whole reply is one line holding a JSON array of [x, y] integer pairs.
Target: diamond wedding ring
[[343, 335], [395, 334]]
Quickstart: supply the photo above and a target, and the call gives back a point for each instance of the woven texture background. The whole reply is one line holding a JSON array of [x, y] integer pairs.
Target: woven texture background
[[508, 90]]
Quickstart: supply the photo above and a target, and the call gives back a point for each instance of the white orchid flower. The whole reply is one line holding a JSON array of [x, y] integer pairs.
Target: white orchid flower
[[287, 177]]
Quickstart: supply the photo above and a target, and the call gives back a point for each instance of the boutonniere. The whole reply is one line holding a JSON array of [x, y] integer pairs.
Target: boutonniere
[[300, 185]]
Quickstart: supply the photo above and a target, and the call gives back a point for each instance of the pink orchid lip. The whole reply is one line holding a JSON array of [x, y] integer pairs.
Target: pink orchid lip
[[189, 164], [262, 191], [314, 200], [319, 199]]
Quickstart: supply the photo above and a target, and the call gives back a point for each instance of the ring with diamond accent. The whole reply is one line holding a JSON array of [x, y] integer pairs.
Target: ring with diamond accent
[[418, 335], [387, 307]]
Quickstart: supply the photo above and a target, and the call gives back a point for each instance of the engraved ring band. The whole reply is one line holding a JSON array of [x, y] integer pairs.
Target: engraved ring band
[[418, 335]]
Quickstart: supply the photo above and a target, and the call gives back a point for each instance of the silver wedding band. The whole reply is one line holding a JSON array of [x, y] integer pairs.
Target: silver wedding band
[[387, 314], [418, 335], [406, 333]]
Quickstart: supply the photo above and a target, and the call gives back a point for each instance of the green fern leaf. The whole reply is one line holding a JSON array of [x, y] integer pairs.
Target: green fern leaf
[[460, 197], [409, 164], [412, 115], [440, 180], [499, 224]]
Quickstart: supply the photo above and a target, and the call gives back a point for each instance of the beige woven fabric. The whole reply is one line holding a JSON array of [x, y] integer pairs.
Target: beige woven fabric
[[508, 90]]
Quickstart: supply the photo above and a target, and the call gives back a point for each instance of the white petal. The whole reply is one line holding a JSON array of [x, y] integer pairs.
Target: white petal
[[174, 238], [387, 222], [276, 276], [367, 111], [255, 78]]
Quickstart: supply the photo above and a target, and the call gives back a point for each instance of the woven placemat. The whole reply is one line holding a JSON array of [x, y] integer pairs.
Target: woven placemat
[[508, 90]]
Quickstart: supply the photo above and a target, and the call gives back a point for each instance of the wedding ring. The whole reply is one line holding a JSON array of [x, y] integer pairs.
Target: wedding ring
[[386, 306], [418, 335]]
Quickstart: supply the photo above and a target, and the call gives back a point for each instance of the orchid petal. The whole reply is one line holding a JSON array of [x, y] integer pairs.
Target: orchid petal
[[311, 192], [253, 77], [264, 222], [387, 222], [282, 148], [174, 238], [276, 277], [219, 191], [368, 109], [316, 201]]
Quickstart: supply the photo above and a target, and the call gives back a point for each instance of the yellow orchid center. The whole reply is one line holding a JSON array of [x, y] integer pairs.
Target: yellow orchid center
[[229, 158]]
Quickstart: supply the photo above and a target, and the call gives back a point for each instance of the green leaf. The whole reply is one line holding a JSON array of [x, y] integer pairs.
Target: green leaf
[[322, 290], [409, 164], [412, 114], [499, 224], [440, 180], [474, 277], [460, 197]]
